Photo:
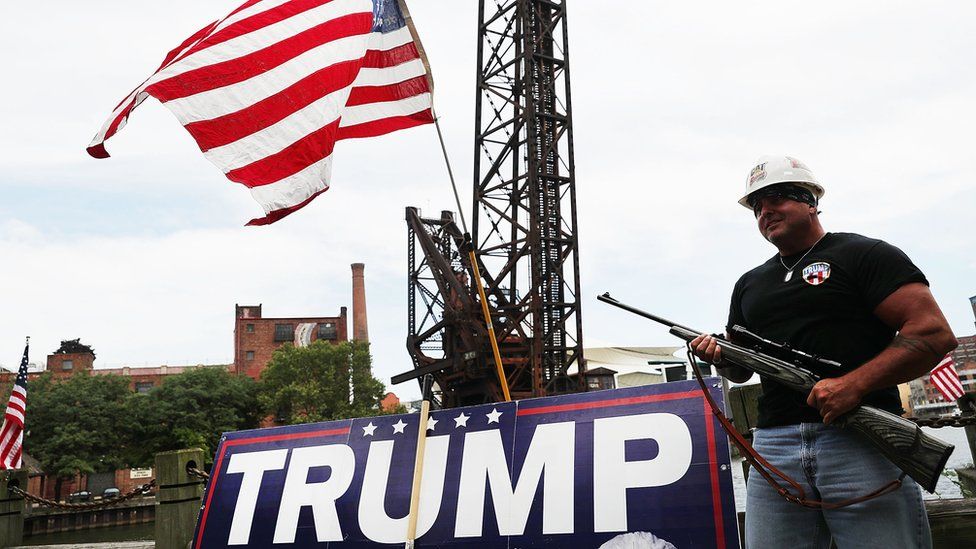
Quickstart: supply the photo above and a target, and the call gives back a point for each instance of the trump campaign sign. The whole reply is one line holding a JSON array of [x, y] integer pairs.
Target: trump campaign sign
[[636, 467]]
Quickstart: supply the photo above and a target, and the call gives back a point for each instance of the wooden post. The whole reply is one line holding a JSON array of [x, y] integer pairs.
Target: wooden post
[[12, 507], [743, 403], [418, 473], [178, 497], [971, 437]]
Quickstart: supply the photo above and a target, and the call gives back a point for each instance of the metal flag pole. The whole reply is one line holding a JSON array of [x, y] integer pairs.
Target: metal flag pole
[[502, 380], [450, 173]]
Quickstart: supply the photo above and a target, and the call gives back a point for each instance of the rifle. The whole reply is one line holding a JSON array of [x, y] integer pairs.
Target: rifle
[[919, 455]]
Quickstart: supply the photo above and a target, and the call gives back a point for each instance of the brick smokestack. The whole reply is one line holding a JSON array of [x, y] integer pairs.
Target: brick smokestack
[[359, 330]]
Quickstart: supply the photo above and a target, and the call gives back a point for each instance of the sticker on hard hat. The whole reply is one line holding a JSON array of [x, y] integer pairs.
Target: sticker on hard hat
[[816, 273], [797, 164], [758, 174]]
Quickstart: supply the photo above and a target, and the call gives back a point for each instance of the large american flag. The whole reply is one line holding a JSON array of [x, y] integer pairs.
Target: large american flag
[[946, 379], [268, 90], [12, 432]]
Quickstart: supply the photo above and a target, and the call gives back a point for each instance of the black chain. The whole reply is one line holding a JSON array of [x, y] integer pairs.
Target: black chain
[[140, 490], [194, 472], [939, 422]]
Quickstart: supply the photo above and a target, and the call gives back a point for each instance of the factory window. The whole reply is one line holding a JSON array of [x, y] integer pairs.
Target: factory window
[[250, 328], [143, 387], [67, 365], [327, 330], [284, 332], [249, 355]]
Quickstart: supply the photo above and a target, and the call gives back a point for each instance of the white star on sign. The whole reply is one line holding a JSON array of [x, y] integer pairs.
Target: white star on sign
[[431, 423], [369, 429], [398, 427], [461, 420], [493, 416]]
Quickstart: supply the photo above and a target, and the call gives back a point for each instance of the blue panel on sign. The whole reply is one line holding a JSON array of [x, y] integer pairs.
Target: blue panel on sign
[[578, 470]]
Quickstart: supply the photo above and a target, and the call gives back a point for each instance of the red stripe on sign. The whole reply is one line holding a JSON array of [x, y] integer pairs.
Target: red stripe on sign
[[381, 59], [608, 403], [278, 214], [233, 71], [717, 514], [290, 160], [386, 125], [362, 95], [226, 129], [289, 436], [211, 486]]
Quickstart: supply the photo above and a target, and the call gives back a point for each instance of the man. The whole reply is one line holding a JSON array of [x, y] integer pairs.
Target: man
[[849, 298]]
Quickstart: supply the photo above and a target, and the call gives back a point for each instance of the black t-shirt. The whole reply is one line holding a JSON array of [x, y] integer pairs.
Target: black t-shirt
[[826, 308]]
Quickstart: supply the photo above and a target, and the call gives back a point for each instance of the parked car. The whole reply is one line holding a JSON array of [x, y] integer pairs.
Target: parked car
[[110, 493], [76, 497]]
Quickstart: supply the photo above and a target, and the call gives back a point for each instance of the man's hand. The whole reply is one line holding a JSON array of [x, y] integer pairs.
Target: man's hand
[[707, 348], [833, 397]]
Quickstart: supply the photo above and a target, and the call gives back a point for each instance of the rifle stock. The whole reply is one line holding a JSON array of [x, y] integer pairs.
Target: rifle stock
[[919, 455]]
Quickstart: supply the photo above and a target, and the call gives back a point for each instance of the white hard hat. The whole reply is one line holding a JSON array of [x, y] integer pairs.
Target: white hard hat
[[773, 170]]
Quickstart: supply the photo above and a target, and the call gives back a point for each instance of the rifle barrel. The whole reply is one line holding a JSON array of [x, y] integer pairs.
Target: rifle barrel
[[606, 298]]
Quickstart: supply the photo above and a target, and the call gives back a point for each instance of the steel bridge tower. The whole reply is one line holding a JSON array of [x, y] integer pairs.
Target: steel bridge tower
[[523, 223], [524, 218]]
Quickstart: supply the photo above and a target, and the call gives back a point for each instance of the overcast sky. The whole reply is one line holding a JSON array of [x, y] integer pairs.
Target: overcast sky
[[144, 255]]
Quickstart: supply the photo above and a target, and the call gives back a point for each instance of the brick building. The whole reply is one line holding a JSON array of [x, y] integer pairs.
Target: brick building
[[73, 357], [256, 337]]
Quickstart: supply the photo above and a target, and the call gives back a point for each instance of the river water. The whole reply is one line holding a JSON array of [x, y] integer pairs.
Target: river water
[[134, 532], [946, 489]]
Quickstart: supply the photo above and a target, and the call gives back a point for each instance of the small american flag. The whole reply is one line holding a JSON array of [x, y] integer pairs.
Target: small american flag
[[945, 377], [268, 90], [12, 432]]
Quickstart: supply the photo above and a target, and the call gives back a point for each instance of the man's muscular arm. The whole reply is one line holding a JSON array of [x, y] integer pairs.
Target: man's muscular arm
[[923, 339]]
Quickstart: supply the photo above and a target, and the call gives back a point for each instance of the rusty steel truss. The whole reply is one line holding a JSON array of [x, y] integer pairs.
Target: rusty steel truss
[[523, 224]]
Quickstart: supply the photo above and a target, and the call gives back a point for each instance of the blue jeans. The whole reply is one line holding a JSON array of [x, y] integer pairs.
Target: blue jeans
[[832, 464]]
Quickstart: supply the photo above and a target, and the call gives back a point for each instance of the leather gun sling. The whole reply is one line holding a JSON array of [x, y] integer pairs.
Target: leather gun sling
[[767, 470]]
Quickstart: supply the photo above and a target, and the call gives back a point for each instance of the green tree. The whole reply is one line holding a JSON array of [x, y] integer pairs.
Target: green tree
[[193, 409], [78, 425], [321, 382]]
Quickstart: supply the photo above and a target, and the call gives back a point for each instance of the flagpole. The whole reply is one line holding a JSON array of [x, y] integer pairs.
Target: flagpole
[[418, 474], [450, 173], [499, 369], [418, 464]]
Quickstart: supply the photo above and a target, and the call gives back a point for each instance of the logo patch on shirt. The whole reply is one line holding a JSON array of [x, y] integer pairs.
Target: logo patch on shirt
[[816, 273]]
